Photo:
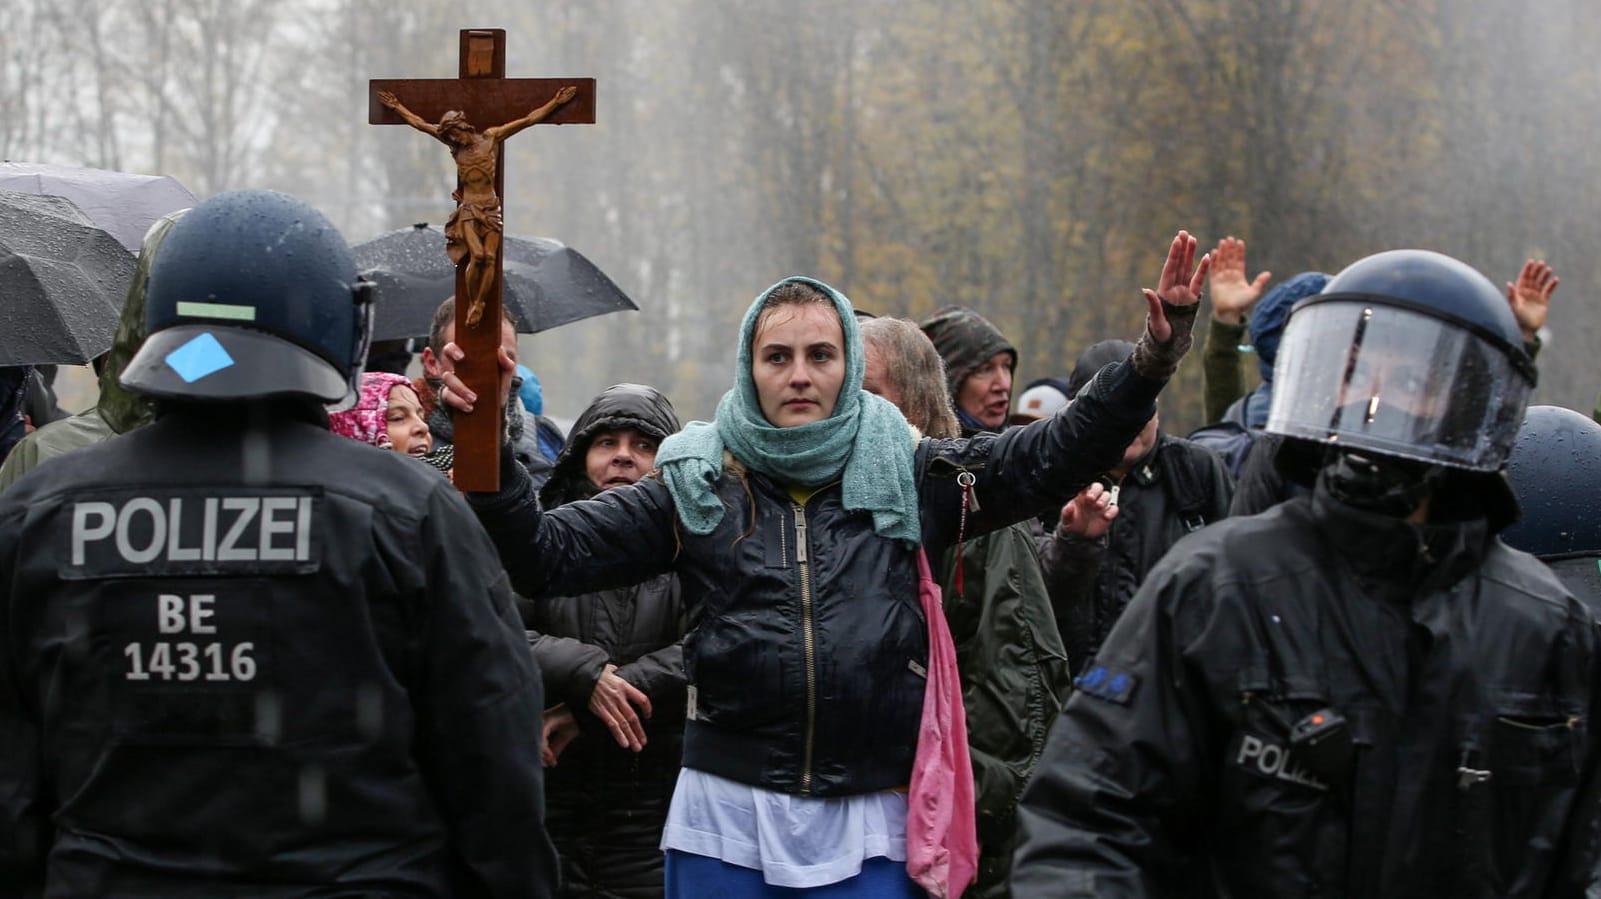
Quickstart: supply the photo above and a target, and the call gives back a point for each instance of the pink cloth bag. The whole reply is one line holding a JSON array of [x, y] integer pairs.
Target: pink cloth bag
[[941, 818]]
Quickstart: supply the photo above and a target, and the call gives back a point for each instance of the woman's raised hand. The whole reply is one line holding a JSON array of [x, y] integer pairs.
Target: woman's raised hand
[[1180, 284]]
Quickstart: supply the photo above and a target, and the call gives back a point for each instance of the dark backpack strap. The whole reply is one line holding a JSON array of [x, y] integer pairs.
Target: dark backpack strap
[[1187, 478]]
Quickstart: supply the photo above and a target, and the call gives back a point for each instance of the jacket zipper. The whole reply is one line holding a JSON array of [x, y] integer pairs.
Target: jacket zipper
[[808, 645]]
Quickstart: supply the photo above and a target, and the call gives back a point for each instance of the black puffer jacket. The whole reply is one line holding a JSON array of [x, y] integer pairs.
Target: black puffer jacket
[[1468, 678], [605, 805], [807, 637]]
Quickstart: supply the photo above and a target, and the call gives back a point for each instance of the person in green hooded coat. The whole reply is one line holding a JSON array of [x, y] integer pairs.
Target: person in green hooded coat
[[118, 410]]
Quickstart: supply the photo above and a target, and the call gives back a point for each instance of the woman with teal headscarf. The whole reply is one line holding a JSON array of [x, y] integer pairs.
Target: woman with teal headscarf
[[794, 521]]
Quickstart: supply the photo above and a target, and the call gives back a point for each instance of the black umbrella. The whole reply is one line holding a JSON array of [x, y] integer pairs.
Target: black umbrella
[[122, 203], [547, 283], [62, 282]]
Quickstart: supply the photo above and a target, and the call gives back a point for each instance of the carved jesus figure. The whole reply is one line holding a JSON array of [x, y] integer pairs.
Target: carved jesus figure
[[474, 230]]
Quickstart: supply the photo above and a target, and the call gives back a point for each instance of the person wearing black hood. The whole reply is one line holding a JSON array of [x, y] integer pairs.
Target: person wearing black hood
[[613, 663], [117, 410], [1164, 487], [1361, 692]]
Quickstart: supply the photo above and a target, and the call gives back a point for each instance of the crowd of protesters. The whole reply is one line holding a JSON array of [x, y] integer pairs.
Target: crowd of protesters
[[884, 627]]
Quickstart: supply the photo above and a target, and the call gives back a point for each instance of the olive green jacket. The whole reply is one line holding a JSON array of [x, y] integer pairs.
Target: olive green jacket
[[118, 410], [1015, 677]]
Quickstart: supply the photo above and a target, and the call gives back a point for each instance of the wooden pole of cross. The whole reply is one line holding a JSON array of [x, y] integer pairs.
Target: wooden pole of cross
[[473, 115]]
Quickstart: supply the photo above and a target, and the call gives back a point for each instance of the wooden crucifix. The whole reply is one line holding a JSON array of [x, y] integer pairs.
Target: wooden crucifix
[[458, 113]]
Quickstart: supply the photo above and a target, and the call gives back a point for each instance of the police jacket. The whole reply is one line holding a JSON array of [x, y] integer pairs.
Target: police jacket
[[1179, 487], [1319, 701], [259, 659], [807, 643]]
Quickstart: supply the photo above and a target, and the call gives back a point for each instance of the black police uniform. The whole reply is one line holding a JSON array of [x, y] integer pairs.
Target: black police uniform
[[244, 656], [291, 688], [1331, 698], [1465, 766]]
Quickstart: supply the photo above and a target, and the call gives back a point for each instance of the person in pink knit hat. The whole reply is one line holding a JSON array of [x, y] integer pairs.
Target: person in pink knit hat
[[388, 415]]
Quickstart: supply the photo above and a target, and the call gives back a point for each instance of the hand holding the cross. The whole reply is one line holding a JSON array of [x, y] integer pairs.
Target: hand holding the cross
[[457, 395]]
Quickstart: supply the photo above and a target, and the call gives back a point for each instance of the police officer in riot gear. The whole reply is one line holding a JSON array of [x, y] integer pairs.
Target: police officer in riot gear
[[1555, 471], [1361, 692], [242, 655]]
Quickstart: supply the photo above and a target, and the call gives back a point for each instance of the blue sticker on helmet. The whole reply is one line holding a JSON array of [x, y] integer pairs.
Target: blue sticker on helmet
[[200, 357]]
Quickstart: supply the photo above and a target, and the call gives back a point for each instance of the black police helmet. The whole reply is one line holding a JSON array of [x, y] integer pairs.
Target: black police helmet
[[1555, 471], [253, 294], [1408, 354], [1434, 284]]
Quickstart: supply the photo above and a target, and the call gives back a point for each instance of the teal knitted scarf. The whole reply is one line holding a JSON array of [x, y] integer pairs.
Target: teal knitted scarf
[[866, 443]]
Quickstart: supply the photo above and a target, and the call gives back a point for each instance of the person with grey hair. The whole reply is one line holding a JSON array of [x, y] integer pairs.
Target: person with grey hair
[[1014, 670], [903, 367]]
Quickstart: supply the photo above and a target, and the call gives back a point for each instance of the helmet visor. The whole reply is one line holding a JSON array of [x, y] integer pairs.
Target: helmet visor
[[1397, 382]]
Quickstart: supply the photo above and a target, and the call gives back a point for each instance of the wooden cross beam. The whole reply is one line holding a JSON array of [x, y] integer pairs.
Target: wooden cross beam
[[473, 115]]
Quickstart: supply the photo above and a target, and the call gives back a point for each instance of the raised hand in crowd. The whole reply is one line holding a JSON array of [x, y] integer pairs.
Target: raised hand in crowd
[[1090, 515], [1179, 286], [611, 704], [1232, 294], [1530, 296]]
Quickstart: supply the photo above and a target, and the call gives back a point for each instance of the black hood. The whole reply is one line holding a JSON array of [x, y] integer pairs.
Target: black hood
[[636, 406]]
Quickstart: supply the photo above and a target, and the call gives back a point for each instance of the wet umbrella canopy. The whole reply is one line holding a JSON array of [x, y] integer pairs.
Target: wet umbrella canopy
[[547, 284], [122, 203], [62, 282]]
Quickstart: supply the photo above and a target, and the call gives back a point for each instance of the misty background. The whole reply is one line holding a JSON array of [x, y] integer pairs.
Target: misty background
[[1028, 158]]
